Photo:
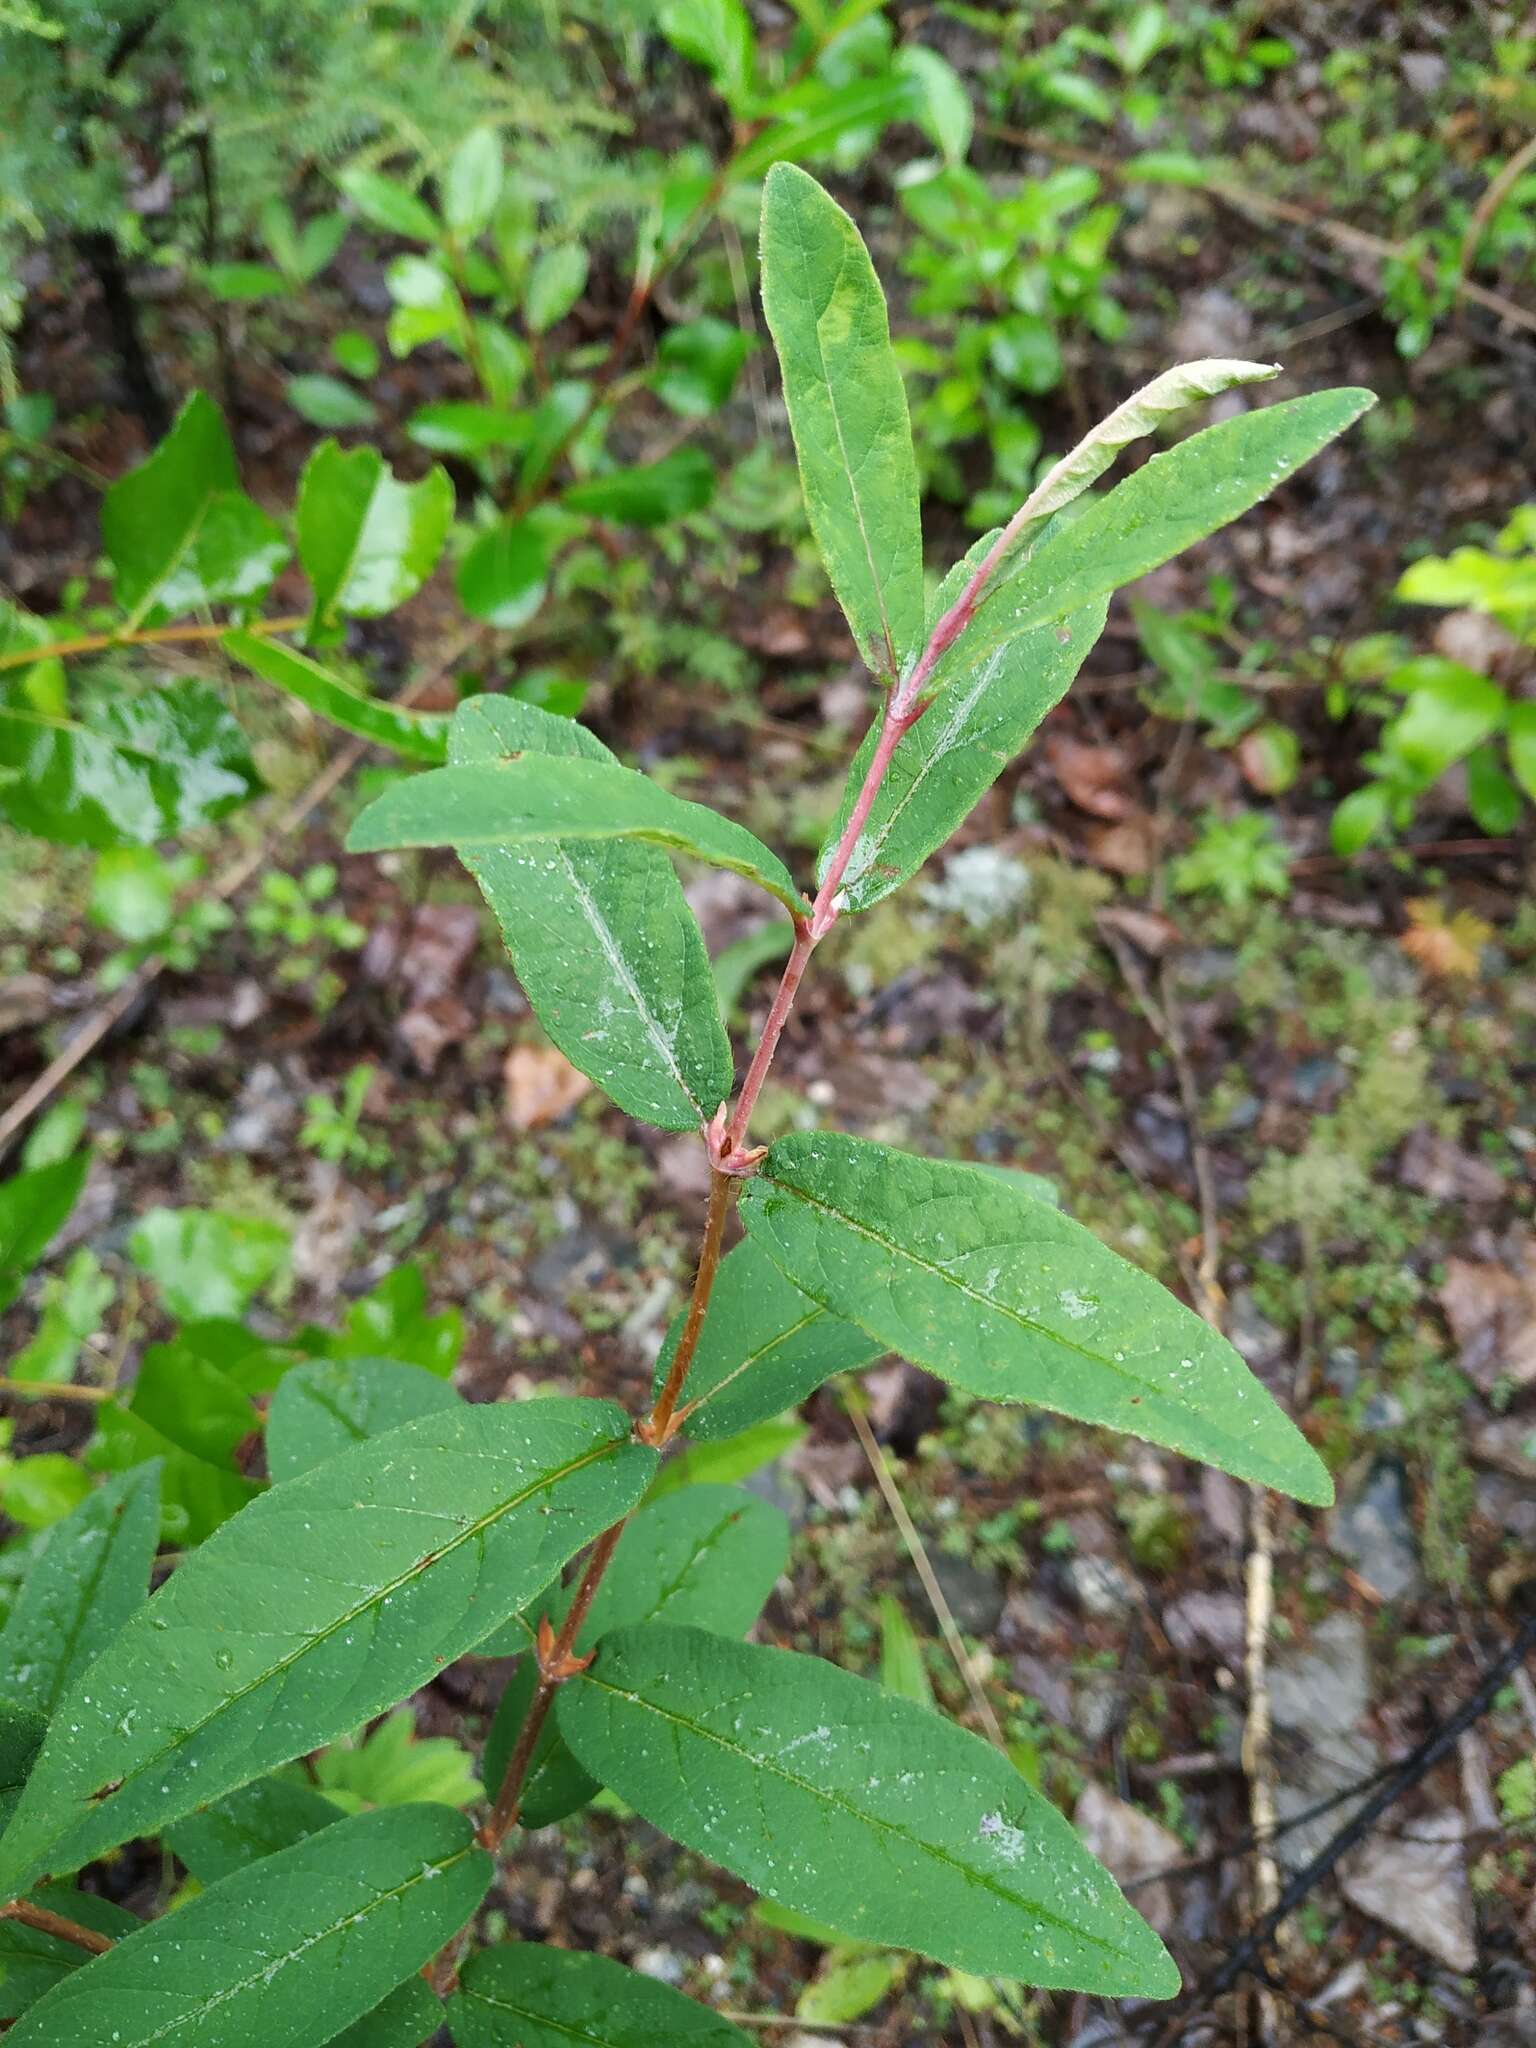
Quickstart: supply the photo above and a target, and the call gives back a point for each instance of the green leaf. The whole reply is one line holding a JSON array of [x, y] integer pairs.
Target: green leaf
[[723, 1463], [708, 1556], [1006, 1297], [601, 935], [530, 1996], [681, 482], [386, 203], [40, 1490], [717, 34], [851, 1982], [21, 1737], [179, 530], [461, 427], [1449, 711], [74, 1305], [32, 1963], [818, 117], [133, 892], [327, 402], [826, 1794], [1492, 798], [848, 410], [902, 1670], [242, 281], [1132, 420], [1172, 501], [1521, 740], [471, 185], [320, 1409], [1365, 814], [945, 764], [90, 1575], [289, 1950], [393, 1766], [207, 1264], [127, 769], [504, 577], [945, 110], [197, 1495], [697, 365], [555, 282], [242, 1827], [320, 1605], [764, 1347], [420, 735], [532, 800], [367, 541], [392, 1321], [33, 1209], [409, 2016]]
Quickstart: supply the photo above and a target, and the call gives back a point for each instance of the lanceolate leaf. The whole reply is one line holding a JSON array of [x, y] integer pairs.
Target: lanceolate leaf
[[324, 1602], [287, 1952], [366, 540], [607, 950], [765, 1345], [93, 1573], [536, 800], [32, 1963], [1172, 501], [848, 409], [261, 1818], [946, 762], [707, 1556], [421, 735], [1140, 414], [873, 1814], [536, 1997], [321, 1408], [1001, 1294], [180, 531]]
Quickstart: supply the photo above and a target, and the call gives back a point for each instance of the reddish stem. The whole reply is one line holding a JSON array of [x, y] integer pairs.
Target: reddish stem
[[657, 1427], [46, 1922], [726, 1136], [552, 1675]]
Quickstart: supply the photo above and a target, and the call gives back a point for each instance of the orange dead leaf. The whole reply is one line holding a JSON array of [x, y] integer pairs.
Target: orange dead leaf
[[541, 1085], [1448, 947]]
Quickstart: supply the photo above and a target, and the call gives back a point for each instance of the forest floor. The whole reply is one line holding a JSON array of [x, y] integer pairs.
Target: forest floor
[[1329, 1095]]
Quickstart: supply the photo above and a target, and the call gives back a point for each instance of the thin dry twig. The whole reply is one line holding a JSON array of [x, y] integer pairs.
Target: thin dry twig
[[916, 1550]]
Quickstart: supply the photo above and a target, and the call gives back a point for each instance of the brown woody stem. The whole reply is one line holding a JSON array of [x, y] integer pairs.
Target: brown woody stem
[[46, 1922]]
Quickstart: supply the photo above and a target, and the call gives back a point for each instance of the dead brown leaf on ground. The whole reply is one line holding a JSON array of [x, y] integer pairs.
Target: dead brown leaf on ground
[[541, 1085], [1491, 1308], [1096, 778]]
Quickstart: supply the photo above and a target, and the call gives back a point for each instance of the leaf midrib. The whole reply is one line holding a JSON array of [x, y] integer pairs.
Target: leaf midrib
[[284, 1664], [226, 1992], [845, 1806], [964, 1287], [842, 449]]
